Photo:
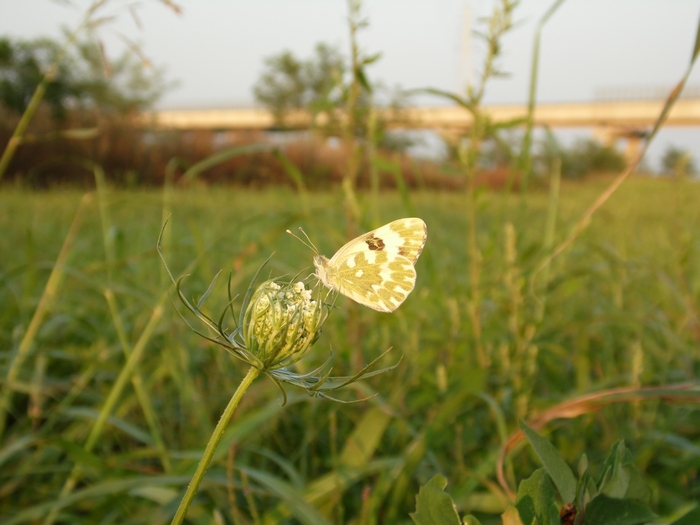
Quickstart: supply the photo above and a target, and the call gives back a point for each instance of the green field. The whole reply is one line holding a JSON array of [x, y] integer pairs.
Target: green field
[[82, 287]]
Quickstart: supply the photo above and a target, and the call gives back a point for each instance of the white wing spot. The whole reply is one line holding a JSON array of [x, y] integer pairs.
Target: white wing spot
[[359, 273]]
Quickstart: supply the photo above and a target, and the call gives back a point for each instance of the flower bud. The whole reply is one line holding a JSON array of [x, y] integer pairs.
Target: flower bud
[[281, 323]]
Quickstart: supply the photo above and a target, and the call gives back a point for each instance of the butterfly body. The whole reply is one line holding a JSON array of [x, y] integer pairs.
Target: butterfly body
[[377, 268]]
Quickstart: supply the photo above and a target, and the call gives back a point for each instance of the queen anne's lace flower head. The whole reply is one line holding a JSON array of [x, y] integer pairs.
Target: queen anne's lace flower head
[[281, 323]]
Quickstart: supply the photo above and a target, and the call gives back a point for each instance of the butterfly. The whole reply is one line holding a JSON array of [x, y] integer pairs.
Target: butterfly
[[376, 269]]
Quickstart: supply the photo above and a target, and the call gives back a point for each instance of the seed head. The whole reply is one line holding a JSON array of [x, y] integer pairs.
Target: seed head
[[281, 323]]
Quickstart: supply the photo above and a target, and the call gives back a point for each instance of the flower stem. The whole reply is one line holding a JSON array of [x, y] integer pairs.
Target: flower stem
[[211, 446]]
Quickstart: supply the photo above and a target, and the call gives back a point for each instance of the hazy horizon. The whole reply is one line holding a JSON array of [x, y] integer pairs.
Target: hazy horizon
[[215, 50]]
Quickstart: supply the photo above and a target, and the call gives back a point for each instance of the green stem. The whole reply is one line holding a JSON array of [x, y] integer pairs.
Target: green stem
[[526, 152], [27, 116], [211, 446]]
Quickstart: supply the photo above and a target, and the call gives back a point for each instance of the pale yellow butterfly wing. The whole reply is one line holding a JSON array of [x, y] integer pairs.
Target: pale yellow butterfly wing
[[404, 237], [376, 269]]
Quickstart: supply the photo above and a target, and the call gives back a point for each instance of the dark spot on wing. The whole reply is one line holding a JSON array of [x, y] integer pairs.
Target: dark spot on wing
[[374, 243], [403, 252]]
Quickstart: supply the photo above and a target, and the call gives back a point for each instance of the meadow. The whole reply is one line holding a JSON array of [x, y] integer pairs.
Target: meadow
[[109, 398], [565, 308]]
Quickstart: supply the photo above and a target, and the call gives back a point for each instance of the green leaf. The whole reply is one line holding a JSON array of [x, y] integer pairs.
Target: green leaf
[[691, 518], [160, 495], [128, 428], [446, 94], [621, 478], [16, 445], [470, 520], [558, 470], [295, 501], [362, 78], [433, 505], [536, 500], [361, 445], [221, 157], [511, 517], [290, 168], [401, 484], [106, 488], [321, 491], [505, 124], [582, 465], [80, 456], [604, 510], [371, 59]]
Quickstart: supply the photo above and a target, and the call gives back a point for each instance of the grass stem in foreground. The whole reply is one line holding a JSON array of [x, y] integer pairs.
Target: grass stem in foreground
[[211, 446]]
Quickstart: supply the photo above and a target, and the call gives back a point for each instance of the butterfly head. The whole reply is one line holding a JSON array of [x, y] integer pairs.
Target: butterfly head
[[321, 264]]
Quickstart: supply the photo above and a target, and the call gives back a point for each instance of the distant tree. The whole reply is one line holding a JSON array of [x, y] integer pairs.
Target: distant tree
[[600, 158], [321, 85], [123, 85], [23, 66], [84, 78], [582, 158], [288, 83], [678, 162]]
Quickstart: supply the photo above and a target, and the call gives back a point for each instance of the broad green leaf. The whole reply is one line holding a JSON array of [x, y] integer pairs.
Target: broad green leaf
[[511, 517], [433, 505], [471, 520], [603, 510], [621, 478], [691, 518], [582, 465], [558, 470], [536, 500]]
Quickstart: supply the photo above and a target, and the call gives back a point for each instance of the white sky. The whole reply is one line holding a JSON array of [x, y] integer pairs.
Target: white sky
[[216, 48]]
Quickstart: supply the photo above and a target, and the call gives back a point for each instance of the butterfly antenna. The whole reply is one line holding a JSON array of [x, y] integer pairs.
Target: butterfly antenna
[[306, 242]]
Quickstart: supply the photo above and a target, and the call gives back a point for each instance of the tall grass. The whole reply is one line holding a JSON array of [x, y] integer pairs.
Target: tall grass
[[626, 284]]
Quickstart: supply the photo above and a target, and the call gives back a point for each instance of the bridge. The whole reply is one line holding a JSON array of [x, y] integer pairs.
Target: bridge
[[610, 120], [643, 113]]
